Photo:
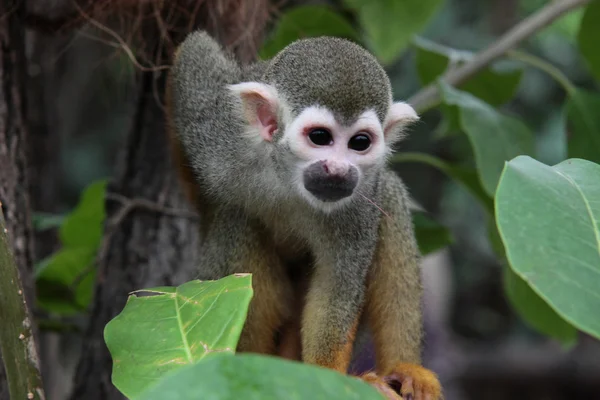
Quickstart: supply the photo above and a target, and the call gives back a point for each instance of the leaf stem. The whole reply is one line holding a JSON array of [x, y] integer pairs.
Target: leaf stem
[[430, 95], [545, 66]]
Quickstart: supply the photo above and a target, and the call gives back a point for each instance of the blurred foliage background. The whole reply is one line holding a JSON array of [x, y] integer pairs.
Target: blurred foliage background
[[82, 90]]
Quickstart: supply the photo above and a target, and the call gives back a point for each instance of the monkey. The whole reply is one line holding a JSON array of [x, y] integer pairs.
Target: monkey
[[287, 163]]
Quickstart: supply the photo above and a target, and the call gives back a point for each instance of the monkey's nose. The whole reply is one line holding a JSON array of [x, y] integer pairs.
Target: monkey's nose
[[330, 182], [335, 168]]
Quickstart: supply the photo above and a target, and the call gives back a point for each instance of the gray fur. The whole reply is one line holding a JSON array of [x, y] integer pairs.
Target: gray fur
[[331, 72], [249, 186]]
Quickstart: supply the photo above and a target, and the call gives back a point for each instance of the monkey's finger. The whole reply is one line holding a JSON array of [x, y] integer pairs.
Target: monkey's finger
[[407, 390], [381, 386]]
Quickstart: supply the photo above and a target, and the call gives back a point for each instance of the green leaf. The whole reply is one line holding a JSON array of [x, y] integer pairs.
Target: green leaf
[[430, 64], [256, 377], [84, 225], [495, 137], [493, 87], [584, 122], [431, 236], [535, 311], [157, 334], [43, 221], [307, 21], [464, 176], [65, 281], [549, 221], [390, 24], [490, 85], [589, 32]]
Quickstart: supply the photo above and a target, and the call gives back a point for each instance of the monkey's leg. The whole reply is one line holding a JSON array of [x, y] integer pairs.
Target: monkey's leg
[[329, 323], [393, 302], [233, 244]]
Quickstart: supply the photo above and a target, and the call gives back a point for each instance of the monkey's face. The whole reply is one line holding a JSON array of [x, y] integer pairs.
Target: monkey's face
[[326, 160], [331, 161]]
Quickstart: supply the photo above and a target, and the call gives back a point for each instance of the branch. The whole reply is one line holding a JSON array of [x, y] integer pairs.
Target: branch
[[429, 96], [130, 204], [16, 337]]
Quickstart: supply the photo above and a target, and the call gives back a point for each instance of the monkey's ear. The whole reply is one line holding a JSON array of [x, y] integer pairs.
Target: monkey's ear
[[260, 104], [399, 116]]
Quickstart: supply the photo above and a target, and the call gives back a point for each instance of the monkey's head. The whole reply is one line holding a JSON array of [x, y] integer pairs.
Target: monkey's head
[[324, 110]]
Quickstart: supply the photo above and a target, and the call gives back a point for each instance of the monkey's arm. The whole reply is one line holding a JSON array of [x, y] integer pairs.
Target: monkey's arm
[[393, 298], [235, 243], [336, 293]]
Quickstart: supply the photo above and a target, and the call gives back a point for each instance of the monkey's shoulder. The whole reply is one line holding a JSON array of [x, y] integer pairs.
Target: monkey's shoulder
[[392, 186], [255, 71]]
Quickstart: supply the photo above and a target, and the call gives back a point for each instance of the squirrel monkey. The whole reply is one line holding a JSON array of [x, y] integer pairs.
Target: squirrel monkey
[[287, 161]]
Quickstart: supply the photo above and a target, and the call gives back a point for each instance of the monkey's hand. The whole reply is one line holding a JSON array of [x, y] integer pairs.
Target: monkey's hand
[[411, 381], [381, 385]]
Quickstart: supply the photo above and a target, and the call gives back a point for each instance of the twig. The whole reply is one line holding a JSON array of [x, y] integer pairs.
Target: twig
[[129, 204], [17, 345], [429, 96], [120, 40]]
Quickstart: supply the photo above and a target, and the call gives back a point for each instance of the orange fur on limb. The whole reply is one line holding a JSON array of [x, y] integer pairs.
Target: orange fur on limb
[[381, 385], [393, 306], [271, 303]]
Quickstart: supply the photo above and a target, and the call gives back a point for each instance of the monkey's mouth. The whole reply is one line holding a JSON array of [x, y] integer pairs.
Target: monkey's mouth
[[330, 189]]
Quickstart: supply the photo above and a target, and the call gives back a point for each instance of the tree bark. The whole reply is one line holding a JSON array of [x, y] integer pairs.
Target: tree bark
[[145, 249], [14, 184], [150, 248]]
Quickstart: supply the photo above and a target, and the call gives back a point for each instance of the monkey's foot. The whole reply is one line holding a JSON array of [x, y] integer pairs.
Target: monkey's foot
[[413, 382], [381, 385]]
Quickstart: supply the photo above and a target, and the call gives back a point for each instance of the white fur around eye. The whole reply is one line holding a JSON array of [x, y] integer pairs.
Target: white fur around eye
[[318, 117]]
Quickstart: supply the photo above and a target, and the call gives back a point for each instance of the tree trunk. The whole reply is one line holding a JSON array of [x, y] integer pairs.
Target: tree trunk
[[152, 248], [14, 184], [146, 248]]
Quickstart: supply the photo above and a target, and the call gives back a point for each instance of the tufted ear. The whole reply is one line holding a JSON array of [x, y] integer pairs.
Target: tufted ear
[[399, 116], [260, 104]]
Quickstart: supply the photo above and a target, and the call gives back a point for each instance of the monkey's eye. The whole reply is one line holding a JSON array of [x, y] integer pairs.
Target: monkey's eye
[[359, 142], [320, 137]]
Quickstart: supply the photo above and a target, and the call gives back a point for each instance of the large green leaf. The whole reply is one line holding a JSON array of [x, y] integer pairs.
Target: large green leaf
[[490, 85], [84, 225], [431, 236], [589, 32], [549, 221], [255, 377], [391, 24], [495, 137], [157, 334], [584, 122], [535, 311], [306, 21]]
